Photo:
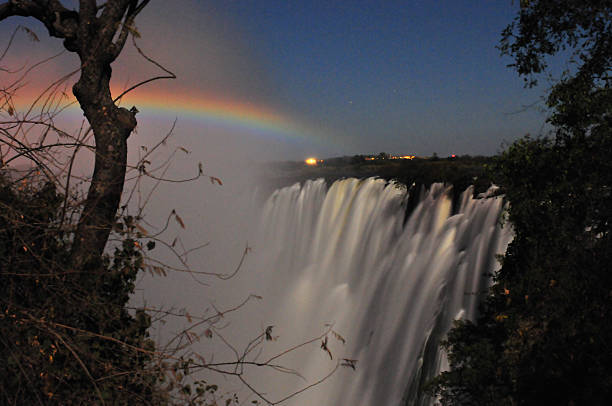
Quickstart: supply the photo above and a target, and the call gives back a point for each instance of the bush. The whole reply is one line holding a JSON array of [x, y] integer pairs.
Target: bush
[[544, 332], [66, 336]]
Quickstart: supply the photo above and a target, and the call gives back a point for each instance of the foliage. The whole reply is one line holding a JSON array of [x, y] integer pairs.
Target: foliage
[[66, 335], [544, 328], [582, 32], [543, 334]]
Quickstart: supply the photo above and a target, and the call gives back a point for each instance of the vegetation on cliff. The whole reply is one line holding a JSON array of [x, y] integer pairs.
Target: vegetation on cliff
[[543, 335]]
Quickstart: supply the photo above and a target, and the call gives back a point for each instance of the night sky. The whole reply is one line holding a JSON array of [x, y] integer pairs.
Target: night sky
[[329, 78]]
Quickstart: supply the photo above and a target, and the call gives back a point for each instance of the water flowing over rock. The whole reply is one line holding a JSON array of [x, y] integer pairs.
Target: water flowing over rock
[[390, 285]]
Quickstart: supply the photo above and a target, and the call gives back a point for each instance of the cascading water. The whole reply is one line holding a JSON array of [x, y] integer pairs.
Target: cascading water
[[390, 286]]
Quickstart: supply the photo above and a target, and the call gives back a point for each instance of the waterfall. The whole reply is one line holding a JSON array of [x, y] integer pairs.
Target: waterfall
[[390, 285]]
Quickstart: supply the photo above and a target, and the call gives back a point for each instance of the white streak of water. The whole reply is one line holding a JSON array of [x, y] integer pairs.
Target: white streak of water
[[391, 287]]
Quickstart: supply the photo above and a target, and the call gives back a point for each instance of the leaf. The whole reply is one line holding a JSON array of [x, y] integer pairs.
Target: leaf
[[269, 334], [132, 29], [157, 270], [201, 358], [338, 337], [325, 348], [214, 179], [141, 229], [188, 316], [200, 169], [350, 363], [185, 150], [179, 220], [208, 333], [150, 245], [10, 111], [31, 34]]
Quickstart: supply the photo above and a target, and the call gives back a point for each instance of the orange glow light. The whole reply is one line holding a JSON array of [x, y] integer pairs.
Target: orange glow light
[[311, 161]]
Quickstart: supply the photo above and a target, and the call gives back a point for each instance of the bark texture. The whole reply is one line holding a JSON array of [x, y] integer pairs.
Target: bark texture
[[97, 33]]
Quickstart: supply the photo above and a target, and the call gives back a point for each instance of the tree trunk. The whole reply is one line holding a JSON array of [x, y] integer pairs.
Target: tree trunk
[[97, 34], [111, 126]]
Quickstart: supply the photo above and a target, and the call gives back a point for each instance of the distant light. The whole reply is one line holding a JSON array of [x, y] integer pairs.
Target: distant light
[[311, 161], [453, 156]]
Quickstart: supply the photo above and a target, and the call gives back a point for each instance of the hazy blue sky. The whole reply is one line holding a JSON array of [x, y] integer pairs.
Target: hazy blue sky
[[353, 76], [408, 76]]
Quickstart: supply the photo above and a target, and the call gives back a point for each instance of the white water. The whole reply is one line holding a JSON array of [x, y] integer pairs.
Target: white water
[[390, 287]]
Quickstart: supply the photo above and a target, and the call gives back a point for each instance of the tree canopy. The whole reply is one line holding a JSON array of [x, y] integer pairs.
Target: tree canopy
[[579, 32], [543, 334]]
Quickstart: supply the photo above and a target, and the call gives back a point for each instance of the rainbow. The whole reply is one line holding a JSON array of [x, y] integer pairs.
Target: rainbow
[[247, 117], [218, 111]]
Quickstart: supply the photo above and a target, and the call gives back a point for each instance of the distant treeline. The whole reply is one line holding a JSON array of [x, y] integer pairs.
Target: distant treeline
[[460, 172]]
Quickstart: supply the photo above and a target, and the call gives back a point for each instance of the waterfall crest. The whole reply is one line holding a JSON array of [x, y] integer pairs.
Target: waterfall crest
[[390, 285]]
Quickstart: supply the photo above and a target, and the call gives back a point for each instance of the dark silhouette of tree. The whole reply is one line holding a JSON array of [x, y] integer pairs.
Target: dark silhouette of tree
[[543, 336], [97, 34], [582, 32]]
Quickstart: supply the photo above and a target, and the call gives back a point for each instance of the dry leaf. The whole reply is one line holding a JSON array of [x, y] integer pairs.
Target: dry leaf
[[132, 29], [201, 358], [325, 348], [338, 337], [179, 220], [349, 363], [269, 334], [141, 229], [31, 34]]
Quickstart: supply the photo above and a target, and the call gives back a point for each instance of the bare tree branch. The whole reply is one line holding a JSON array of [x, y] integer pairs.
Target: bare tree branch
[[59, 21]]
